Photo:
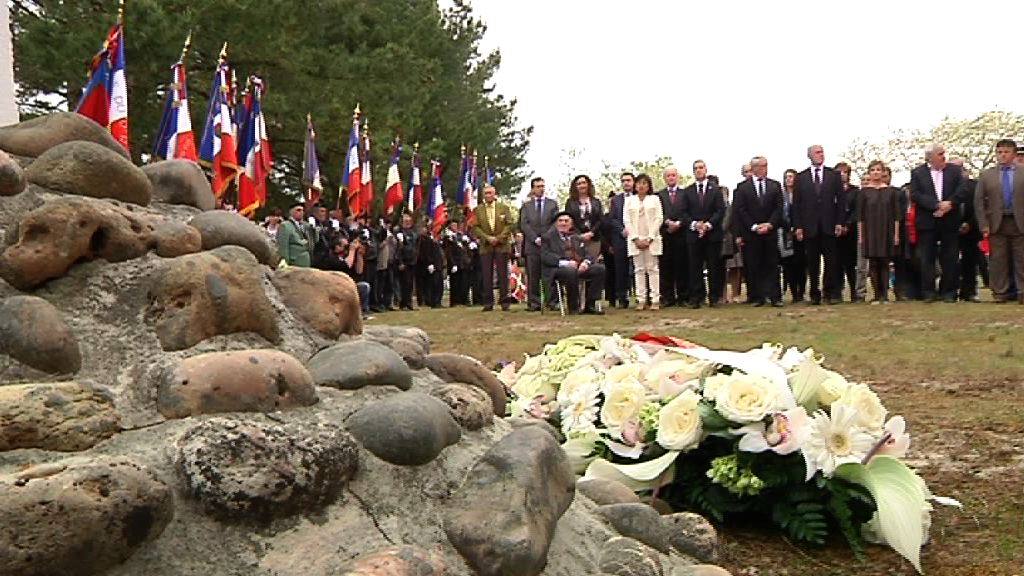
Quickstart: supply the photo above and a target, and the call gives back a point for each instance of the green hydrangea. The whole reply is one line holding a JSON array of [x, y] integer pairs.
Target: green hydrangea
[[725, 470]]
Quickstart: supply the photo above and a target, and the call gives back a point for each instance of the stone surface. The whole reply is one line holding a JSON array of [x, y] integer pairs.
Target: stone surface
[[469, 405], [408, 428], [411, 351], [352, 365], [33, 332], [518, 422], [62, 416], [623, 556], [12, 177], [383, 333], [180, 182], [701, 570], [89, 169], [81, 520], [396, 561], [255, 471], [459, 368], [198, 296], [175, 239], [242, 381], [222, 228], [603, 491], [693, 535], [502, 519], [52, 238], [327, 302], [34, 137], [637, 521]]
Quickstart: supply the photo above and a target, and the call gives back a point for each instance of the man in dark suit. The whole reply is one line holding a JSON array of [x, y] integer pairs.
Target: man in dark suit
[[565, 260], [937, 190], [672, 264], [819, 212], [703, 211], [615, 235], [758, 209], [535, 218], [970, 235], [999, 206]]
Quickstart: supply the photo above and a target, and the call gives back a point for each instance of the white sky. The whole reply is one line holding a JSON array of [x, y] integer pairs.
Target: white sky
[[725, 80]]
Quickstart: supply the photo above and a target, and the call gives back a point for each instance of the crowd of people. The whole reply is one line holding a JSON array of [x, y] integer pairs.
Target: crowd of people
[[813, 234]]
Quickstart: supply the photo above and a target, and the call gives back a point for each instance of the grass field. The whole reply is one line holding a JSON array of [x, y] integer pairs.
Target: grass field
[[955, 371]]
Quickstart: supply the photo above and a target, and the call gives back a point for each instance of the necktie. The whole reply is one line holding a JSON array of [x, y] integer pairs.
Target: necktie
[[672, 195], [1007, 189], [539, 205], [760, 189], [817, 176], [700, 191]]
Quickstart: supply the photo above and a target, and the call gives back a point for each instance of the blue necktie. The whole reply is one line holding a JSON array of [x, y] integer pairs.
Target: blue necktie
[[1007, 189]]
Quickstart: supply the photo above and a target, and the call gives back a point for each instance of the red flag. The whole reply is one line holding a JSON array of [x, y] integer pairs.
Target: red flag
[[255, 149], [393, 196]]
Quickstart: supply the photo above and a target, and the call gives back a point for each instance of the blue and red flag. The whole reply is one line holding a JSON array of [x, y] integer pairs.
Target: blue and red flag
[[352, 180], [311, 166], [468, 185], [254, 149], [414, 196], [217, 148], [105, 97], [436, 208], [175, 139], [366, 187], [393, 191]]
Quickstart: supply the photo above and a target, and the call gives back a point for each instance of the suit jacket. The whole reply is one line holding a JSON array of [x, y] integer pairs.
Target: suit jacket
[[711, 210], [593, 223], [749, 210], [615, 221], [295, 242], [672, 211], [818, 212], [922, 192], [408, 246], [552, 250], [654, 217], [988, 199], [502, 228], [967, 213], [534, 224]]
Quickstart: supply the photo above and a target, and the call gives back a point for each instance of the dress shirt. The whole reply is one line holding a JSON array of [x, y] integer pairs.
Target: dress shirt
[[759, 183], [937, 182], [490, 209]]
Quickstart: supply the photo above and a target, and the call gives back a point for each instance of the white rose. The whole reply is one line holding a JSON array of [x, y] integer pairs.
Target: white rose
[[679, 371], [831, 388], [621, 373], [679, 426], [870, 412], [713, 383], [576, 379], [622, 403], [746, 398]]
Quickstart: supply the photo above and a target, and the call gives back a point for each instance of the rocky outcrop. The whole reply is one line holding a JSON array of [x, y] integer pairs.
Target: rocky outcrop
[[622, 556], [12, 177], [198, 296], [34, 137], [469, 405], [243, 381], [604, 491], [396, 561], [34, 333], [327, 302], [353, 365], [254, 472], [89, 169], [79, 520], [221, 228], [459, 368], [62, 416], [408, 429], [180, 182]]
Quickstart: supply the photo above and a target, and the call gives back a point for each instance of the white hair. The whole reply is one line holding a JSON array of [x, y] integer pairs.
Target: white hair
[[670, 168], [931, 149], [812, 147], [756, 160]]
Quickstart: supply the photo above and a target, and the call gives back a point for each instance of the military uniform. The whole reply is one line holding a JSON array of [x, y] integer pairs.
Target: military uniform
[[295, 241]]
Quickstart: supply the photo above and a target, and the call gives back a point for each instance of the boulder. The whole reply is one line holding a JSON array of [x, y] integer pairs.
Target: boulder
[[469, 405], [62, 416], [459, 368], [396, 561], [242, 381], [503, 517], [12, 177], [407, 429], [89, 169], [411, 351], [81, 519], [352, 365], [34, 137], [52, 238], [383, 333], [33, 332], [222, 228], [175, 239], [637, 521], [180, 182], [692, 535], [603, 491], [327, 302], [622, 556], [198, 296], [257, 471], [701, 570]]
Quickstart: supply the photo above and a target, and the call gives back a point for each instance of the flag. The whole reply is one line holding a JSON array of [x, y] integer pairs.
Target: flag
[[393, 188], [254, 148], [366, 187], [468, 184], [217, 148], [488, 172], [414, 196], [118, 88], [175, 138], [311, 166], [105, 97], [436, 208], [351, 179]]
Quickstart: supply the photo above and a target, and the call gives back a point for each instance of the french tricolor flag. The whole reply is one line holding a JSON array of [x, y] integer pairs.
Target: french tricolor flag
[[436, 208], [393, 195], [414, 196], [366, 186], [217, 148], [105, 98], [352, 179], [254, 148], [175, 139]]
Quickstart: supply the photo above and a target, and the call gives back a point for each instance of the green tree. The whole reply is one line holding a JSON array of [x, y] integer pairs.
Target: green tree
[[609, 178], [416, 71]]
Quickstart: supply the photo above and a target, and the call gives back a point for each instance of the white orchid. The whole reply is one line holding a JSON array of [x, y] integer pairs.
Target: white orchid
[[786, 433]]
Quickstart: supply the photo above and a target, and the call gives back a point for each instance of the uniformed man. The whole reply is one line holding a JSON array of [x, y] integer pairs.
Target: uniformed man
[[296, 238]]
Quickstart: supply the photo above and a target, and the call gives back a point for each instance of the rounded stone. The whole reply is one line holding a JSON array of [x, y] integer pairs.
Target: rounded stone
[[180, 182], [59, 416], [692, 535], [34, 137], [12, 177], [407, 429], [359, 363], [327, 302], [459, 368], [603, 491], [469, 405], [89, 169], [621, 556], [637, 521], [222, 228], [411, 351], [33, 332]]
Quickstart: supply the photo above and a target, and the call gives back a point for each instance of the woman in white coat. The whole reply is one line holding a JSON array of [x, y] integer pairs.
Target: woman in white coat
[[643, 216]]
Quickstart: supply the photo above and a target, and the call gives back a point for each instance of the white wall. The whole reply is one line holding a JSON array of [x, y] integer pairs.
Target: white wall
[[8, 109]]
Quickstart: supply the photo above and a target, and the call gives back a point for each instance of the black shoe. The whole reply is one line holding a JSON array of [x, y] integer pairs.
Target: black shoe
[[949, 300], [488, 308], [759, 303], [776, 304], [624, 304], [815, 301]]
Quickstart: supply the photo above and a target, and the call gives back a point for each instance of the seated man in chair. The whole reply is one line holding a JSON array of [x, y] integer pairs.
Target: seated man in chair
[[565, 261]]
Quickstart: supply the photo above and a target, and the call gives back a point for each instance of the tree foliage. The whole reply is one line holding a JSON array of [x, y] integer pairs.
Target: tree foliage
[[415, 70], [609, 178]]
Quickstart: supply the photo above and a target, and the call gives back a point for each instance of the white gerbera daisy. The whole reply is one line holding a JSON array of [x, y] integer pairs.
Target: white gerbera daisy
[[835, 440], [580, 410]]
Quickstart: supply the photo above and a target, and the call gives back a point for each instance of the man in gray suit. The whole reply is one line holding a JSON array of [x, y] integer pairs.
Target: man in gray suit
[[999, 207], [535, 218]]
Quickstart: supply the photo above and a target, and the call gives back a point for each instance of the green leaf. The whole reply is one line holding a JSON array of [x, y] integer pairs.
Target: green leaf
[[643, 476], [711, 420]]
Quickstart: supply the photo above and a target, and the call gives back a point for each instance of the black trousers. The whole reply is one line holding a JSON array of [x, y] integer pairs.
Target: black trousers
[[761, 259], [847, 252], [458, 288], [570, 279], [970, 263], [407, 279], [878, 270], [705, 253], [816, 249], [675, 273], [491, 263], [623, 276], [794, 272], [533, 281], [943, 245]]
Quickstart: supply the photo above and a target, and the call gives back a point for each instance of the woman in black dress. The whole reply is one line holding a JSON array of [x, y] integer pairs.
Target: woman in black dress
[[585, 209], [879, 227]]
